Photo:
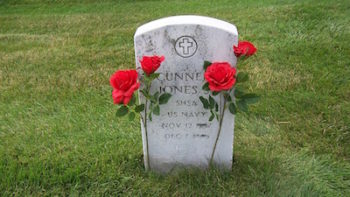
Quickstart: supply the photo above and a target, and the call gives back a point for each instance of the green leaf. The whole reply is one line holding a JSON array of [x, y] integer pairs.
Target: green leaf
[[152, 98], [156, 95], [145, 94], [233, 109], [238, 93], [164, 98], [206, 87], [211, 118], [206, 64], [132, 101], [204, 102], [251, 98], [139, 108], [122, 111], [242, 105], [216, 107], [215, 93], [250, 95], [131, 116], [150, 116], [156, 110], [227, 97], [153, 76], [211, 102], [242, 77]]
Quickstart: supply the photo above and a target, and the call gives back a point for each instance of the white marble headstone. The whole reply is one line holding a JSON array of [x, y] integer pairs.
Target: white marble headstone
[[182, 136]]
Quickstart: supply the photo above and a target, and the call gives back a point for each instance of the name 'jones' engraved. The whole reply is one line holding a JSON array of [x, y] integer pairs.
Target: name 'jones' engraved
[[185, 76]]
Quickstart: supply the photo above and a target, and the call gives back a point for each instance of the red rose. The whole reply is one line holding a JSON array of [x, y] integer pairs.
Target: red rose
[[150, 64], [244, 48], [124, 83], [220, 76]]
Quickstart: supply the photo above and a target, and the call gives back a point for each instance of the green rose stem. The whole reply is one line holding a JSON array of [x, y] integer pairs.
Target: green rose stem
[[148, 167], [146, 134], [218, 135]]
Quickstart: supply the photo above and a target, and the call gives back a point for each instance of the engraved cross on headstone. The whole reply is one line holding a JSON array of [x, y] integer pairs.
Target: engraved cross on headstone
[[178, 138], [185, 45]]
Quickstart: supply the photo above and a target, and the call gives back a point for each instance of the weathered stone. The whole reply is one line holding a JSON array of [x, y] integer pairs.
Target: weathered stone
[[182, 135]]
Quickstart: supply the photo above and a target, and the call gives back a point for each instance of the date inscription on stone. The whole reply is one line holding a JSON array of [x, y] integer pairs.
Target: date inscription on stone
[[181, 135]]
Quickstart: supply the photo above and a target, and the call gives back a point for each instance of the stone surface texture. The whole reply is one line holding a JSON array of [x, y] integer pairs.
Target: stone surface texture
[[182, 136]]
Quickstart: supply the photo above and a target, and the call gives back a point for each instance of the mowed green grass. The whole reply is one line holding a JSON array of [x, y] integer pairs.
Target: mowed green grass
[[58, 130]]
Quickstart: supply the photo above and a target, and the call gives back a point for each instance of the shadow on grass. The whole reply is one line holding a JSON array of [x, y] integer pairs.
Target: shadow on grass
[[249, 175]]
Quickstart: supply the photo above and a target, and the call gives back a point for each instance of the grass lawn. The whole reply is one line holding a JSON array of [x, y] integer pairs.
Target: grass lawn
[[59, 134]]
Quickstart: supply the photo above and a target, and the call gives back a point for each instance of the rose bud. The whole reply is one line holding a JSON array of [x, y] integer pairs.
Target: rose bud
[[244, 48], [150, 64]]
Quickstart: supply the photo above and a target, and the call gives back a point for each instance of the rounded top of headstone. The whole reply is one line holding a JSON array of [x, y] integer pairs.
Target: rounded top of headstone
[[186, 20]]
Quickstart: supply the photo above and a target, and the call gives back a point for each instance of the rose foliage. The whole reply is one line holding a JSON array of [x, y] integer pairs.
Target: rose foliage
[[221, 78], [126, 82]]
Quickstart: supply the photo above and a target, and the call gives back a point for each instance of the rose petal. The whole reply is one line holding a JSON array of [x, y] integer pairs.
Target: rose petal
[[220, 76], [117, 96], [124, 83], [131, 90], [150, 64], [244, 48], [127, 100]]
